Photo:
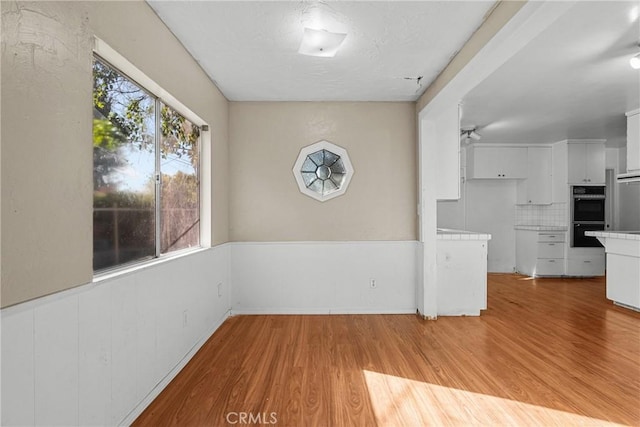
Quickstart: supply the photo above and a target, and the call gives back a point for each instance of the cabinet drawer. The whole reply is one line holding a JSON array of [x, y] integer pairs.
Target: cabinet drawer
[[586, 266], [550, 267], [550, 250], [551, 237]]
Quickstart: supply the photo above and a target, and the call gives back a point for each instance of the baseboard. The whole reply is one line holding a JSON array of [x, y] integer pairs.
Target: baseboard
[[325, 311]]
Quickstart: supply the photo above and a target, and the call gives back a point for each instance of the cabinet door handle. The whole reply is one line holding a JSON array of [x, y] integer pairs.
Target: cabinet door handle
[[552, 244], [587, 262], [552, 260]]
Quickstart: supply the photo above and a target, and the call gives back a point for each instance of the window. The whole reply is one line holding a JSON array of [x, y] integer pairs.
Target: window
[[323, 170], [146, 160]]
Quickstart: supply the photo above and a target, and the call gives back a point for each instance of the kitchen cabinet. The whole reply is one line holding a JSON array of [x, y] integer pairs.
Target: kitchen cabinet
[[633, 141], [447, 130], [536, 188], [540, 253], [586, 163], [461, 260], [586, 266], [585, 262], [491, 162]]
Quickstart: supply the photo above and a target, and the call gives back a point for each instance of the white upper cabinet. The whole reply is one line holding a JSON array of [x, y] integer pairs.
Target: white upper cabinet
[[633, 141], [586, 163], [447, 128], [536, 189], [496, 162]]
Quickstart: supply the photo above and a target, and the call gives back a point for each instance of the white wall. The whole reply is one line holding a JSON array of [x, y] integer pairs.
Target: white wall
[[98, 354], [490, 209], [452, 213], [323, 277], [486, 206]]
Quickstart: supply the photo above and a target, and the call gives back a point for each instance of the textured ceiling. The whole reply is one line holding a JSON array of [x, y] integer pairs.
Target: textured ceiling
[[571, 82], [392, 52]]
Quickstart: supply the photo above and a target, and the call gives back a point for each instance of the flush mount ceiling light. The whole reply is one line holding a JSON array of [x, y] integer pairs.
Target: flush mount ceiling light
[[635, 62], [321, 43], [467, 134]]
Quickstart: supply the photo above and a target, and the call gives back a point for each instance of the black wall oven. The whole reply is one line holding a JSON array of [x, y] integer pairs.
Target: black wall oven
[[587, 214]]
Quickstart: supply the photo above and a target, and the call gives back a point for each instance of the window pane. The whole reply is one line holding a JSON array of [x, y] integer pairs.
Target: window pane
[[180, 194], [123, 169]]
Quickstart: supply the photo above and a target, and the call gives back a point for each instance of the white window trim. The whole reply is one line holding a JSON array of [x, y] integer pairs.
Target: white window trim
[[106, 52]]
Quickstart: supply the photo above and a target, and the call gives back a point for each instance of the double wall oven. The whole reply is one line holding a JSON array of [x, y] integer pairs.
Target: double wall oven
[[587, 214]]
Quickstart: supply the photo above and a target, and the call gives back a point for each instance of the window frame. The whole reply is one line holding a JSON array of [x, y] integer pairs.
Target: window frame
[[109, 57]]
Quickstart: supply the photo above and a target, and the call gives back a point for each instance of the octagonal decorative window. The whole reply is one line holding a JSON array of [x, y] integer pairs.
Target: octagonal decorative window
[[323, 170]]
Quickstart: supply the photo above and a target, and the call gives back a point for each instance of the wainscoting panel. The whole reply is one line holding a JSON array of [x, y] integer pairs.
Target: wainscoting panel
[[323, 277], [95, 358], [99, 353], [56, 362], [18, 395]]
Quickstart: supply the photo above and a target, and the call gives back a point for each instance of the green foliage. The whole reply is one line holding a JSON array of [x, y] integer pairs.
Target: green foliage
[[106, 135], [179, 136], [126, 113]]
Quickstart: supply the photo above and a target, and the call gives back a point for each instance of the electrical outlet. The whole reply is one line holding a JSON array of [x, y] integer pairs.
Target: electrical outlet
[[220, 289], [372, 283]]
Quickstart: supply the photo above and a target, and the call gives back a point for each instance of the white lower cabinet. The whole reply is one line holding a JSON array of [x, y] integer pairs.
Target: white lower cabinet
[[540, 253], [549, 267], [550, 249], [547, 253], [586, 266], [462, 276]]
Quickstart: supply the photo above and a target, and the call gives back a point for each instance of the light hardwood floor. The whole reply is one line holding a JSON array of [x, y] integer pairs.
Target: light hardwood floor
[[546, 352]]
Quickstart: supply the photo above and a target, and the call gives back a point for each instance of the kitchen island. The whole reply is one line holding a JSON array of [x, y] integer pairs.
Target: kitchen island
[[623, 266], [461, 260]]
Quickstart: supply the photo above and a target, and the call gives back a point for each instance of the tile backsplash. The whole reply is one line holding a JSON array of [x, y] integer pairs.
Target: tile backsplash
[[554, 214]]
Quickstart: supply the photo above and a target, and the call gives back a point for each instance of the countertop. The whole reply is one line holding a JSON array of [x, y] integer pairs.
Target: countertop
[[449, 234], [542, 227], [624, 235]]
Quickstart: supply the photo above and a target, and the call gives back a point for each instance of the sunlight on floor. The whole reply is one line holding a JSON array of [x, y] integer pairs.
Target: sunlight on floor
[[399, 401]]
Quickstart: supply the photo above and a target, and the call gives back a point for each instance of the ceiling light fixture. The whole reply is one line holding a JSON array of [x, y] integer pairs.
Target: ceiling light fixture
[[321, 43], [635, 62], [467, 134]]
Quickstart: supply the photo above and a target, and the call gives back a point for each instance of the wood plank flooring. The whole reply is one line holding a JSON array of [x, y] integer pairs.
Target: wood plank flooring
[[545, 352]]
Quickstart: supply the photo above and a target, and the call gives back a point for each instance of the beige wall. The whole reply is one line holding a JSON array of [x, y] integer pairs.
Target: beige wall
[[265, 202], [46, 131]]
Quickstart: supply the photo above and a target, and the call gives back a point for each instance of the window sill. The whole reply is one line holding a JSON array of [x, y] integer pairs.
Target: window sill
[[141, 265]]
